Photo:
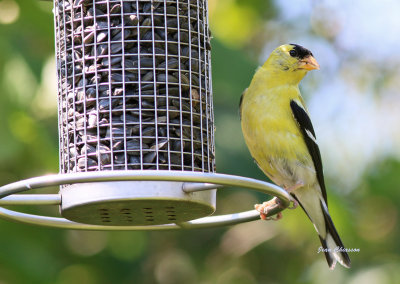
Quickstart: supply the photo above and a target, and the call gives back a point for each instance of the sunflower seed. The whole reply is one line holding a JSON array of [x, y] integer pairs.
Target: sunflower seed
[[87, 149], [134, 160], [92, 120], [101, 36], [86, 162], [119, 158], [133, 144], [105, 154], [149, 157], [116, 9], [159, 145]]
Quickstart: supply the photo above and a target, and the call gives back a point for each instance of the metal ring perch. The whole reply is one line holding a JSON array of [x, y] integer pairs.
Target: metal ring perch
[[193, 181]]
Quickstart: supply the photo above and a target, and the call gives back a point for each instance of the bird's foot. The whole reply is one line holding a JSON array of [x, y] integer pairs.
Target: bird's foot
[[265, 208], [277, 217]]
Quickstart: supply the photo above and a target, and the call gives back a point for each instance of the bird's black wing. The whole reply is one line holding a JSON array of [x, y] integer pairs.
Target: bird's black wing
[[307, 130]]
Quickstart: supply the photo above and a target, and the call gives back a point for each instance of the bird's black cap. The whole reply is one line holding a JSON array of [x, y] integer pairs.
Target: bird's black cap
[[301, 51]]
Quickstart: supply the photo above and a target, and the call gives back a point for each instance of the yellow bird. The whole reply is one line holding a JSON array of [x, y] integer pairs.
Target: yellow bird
[[279, 134]]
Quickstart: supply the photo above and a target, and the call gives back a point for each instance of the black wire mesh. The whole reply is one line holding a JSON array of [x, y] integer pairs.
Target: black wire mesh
[[134, 85]]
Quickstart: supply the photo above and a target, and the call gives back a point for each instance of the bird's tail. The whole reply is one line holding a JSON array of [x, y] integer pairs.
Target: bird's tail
[[333, 247], [317, 211]]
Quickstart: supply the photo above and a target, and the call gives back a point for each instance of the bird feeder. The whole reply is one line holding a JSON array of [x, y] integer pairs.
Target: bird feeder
[[135, 117]]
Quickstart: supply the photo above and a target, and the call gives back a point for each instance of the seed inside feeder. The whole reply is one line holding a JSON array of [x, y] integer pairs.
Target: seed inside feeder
[[134, 85]]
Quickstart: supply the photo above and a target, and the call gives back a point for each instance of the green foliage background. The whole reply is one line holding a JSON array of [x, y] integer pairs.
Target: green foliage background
[[257, 252]]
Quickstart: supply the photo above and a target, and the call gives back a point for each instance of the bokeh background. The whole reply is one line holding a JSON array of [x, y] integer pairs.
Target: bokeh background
[[354, 101]]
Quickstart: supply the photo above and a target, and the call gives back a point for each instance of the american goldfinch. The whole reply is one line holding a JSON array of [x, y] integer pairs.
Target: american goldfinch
[[279, 134]]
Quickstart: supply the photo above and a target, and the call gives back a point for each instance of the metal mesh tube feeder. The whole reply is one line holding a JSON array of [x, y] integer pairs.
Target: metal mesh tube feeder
[[134, 94], [136, 125]]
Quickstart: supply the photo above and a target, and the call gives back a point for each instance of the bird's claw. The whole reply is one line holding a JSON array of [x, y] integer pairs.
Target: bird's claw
[[278, 217], [265, 208]]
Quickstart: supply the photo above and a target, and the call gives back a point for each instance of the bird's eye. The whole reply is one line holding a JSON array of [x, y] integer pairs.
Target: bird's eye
[[293, 53]]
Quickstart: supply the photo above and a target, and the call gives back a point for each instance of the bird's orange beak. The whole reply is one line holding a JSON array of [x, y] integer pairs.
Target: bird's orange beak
[[308, 63]]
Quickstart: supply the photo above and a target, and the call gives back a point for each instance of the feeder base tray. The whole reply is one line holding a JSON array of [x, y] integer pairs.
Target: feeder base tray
[[129, 203]]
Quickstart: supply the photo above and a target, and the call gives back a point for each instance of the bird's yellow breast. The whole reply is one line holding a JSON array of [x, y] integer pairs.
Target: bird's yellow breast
[[271, 132]]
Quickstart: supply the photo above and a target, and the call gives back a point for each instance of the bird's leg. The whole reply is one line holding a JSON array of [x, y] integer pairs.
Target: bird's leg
[[290, 189], [267, 207], [293, 188]]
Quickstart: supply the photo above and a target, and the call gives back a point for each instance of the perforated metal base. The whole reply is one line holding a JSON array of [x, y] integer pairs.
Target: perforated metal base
[[130, 203]]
